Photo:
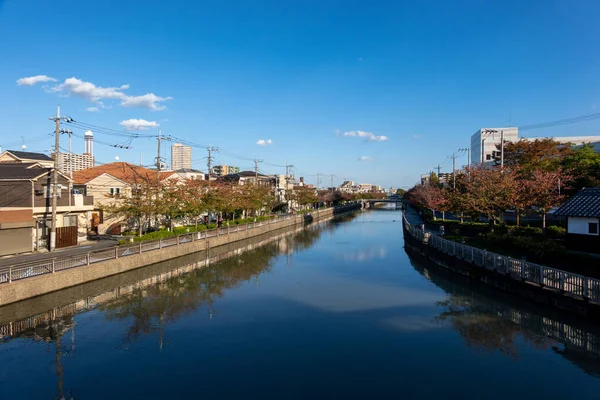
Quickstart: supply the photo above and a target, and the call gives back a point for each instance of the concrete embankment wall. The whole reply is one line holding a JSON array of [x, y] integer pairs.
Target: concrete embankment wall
[[39, 285]]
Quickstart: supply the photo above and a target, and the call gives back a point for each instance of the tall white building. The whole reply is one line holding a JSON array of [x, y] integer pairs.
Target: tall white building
[[181, 157], [485, 140]]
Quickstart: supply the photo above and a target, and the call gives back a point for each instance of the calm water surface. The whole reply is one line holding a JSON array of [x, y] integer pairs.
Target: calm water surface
[[337, 311]]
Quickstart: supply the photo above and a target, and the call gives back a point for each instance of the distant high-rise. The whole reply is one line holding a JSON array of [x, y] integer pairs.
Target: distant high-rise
[[225, 170], [89, 143], [181, 157]]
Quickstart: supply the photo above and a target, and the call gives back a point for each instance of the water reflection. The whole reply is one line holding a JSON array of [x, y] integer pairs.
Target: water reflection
[[492, 321], [162, 298]]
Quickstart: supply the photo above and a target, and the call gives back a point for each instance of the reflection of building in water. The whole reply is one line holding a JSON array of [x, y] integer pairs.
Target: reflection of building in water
[[365, 254], [484, 321], [38, 327]]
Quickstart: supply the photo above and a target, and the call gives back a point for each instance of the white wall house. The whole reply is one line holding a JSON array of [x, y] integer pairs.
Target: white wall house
[[583, 220]]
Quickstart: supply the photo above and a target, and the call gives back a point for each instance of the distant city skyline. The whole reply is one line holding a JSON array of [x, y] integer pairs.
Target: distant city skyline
[[372, 92]]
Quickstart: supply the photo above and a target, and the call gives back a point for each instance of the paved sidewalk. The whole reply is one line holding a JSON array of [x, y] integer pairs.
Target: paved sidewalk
[[413, 218], [71, 251]]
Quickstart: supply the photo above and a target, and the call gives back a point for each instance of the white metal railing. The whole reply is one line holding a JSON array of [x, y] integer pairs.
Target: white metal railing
[[523, 270], [49, 266]]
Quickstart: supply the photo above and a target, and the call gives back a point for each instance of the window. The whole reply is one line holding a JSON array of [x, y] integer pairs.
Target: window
[[593, 228], [488, 157], [115, 191]]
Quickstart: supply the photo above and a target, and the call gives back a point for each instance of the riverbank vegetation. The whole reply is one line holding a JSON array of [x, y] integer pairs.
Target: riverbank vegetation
[[536, 177], [153, 211]]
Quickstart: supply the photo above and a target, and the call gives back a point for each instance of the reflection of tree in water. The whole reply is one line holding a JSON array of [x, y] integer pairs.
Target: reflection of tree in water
[[482, 329], [153, 306], [482, 322]]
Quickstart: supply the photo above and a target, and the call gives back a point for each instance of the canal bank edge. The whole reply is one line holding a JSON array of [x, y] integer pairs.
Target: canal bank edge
[[38, 285], [582, 307]]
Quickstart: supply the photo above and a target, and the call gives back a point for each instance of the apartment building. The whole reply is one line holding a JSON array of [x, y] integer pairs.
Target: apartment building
[[181, 157]]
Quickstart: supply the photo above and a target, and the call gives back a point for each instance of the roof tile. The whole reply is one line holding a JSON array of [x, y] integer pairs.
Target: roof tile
[[586, 203]]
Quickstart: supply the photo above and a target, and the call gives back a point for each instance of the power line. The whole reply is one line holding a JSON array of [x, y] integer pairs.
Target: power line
[[565, 121]]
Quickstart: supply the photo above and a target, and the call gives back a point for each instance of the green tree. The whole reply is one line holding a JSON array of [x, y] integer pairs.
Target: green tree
[[583, 165]]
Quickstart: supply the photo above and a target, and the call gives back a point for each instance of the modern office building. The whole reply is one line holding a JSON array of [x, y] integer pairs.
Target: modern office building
[[181, 157], [222, 170], [484, 142]]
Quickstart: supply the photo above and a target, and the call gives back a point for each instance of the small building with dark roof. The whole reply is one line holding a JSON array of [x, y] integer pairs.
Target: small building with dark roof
[[582, 212], [27, 157]]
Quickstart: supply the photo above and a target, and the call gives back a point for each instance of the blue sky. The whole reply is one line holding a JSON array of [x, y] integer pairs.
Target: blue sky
[[423, 75]]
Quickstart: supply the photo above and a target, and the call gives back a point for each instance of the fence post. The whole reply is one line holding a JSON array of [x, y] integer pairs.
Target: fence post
[[228, 229], [562, 281], [585, 288], [9, 274], [53, 269], [116, 251], [541, 275], [140, 247], [483, 257], [87, 258], [523, 264]]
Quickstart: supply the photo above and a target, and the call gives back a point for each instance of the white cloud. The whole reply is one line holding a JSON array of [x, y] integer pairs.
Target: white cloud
[[92, 109], [336, 131], [417, 136], [93, 93], [138, 124], [262, 142], [32, 80], [148, 100], [370, 137], [365, 158]]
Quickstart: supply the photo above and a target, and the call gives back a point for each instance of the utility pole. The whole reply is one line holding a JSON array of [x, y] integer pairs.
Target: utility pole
[[454, 170], [439, 167], [332, 176], [54, 185], [256, 169], [158, 160], [210, 158], [318, 180], [502, 150], [70, 133], [287, 168]]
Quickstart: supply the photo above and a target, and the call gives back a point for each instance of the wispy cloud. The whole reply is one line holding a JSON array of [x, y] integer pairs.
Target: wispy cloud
[[92, 109], [32, 80], [263, 142], [365, 158], [368, 136], [336, 131], [96, 94], [138, 124], [416, 136]]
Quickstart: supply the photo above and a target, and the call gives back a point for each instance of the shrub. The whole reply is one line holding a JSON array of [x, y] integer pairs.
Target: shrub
[[556, 231]]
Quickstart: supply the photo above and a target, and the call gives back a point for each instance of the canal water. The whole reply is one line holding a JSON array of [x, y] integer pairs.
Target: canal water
[[334, 311]]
